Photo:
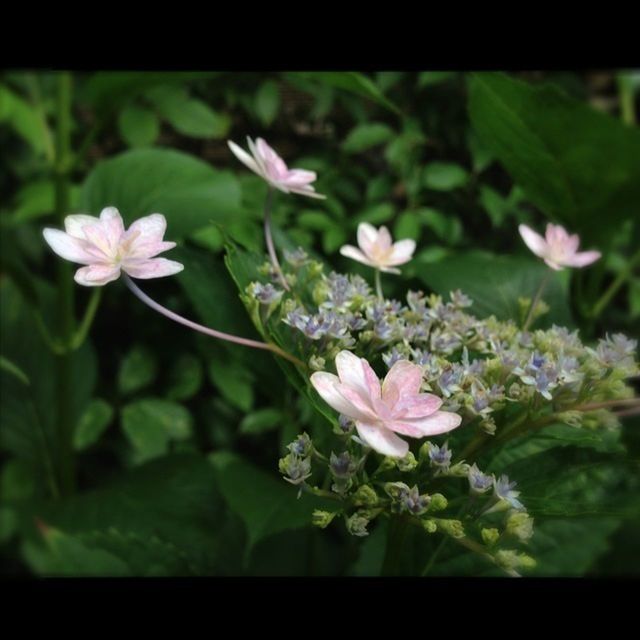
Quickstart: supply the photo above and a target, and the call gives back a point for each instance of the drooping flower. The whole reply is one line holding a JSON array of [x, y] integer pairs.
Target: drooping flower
[[378, 250], [382, 411], [558, 249], [264, 161], [103, 245]]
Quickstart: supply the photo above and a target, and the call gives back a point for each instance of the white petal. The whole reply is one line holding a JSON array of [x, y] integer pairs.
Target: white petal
[[67, 246], [152, 268], [583, 259], [73, 224], [367, 237], [151, 228], [402, 252], [349, 251], [396, 272], [351, 372], [325, 384], [97, 275], [438, 422], [245, 158], [533, 240], [382, 440]]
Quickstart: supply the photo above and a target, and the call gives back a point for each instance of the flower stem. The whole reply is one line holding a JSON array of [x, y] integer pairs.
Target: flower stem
[[269, 240], [379, 285], [621, 278], [267, 346], [64, 417], [89, 314], [536, 299], [625, 92]]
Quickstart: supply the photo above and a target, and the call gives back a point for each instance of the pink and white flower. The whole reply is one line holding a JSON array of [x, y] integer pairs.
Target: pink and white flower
[[382, 411], [103, 245], [558, 249], [378, 250], [271, 167]]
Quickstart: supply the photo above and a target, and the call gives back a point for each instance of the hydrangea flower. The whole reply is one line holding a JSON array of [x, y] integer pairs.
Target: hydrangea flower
[[378, 250], [382, 411], [103, 245], [271, 167], [558, 249]]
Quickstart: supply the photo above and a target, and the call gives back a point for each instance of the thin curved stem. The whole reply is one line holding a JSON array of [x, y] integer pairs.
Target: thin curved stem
[[269, 240], [87, 320], [379, 285], [267, 346], [534, 302], [620, 279]]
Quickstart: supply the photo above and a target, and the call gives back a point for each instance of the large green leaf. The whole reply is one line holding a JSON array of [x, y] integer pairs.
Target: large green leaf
[[266, 504], [189, 192], [578, 165], [495, 283]]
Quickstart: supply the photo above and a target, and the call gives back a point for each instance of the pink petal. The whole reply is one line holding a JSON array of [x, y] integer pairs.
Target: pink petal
[[245, 158], [367, 237], [533, 240], [349, 251], [150, 228], [299, 177], [402, 252], [325, 384], [143, 250], [351, 372], [73, 224], [403, 380], [274, 165], [260, 161], [439, 422], [382, 440], [420, 406], [97, 275], [384, 240], [554, 265], [153, 268], [97, 235], [572, 243], [390, 270], [583, 259], [67, 247], [361, 405], [404, 428], [112, 224], [307, 191]]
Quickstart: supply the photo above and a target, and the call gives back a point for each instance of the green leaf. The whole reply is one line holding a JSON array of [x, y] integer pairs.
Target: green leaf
[[351, 81], [138, 369], [234, 381], [189, 116], [495, 283], [185, 377], [494, 204], [271, 509], [578, 165], [430, 78], [446, 226], [8, 524], [138, 126], [151, 424], [261, 421], [95, 419], [267, 102], [375, 214], [367, 135], [187, 191], [14, 370], [23, 118], [408, 225], [444, 176]]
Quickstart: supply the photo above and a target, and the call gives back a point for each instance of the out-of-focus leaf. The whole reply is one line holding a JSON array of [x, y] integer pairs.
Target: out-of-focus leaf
[[151, 424], [407, 225], [376, 214], [267, 102], [138, 126], [234, 381], [495, 283], [185, 377], [187, 191], [367, 135], [444, 176], [23, 118], [261, 421], [93, 422], [430, 78], [579, 166], [138, 369]]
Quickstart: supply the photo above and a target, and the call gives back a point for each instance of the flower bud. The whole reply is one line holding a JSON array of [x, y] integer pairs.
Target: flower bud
[[408, 463], [520, 525], [429, 525], [317, 363], [322, 519], [490, 536], [295, 469], [453, 528], [357, 525], [365, 496], [572, 418], [438, 502], [301, 446], [509, 559]]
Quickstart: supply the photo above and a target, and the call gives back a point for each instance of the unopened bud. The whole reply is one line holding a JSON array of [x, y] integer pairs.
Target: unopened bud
[[322, 519], [490, 536], [365, 496]]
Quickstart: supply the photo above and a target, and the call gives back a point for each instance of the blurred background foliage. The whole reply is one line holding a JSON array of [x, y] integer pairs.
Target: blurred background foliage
[[175, 436]]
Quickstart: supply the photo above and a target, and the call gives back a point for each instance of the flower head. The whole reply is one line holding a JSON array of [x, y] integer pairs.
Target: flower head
[[271, 167], [378, 250], [558, 249], [382, 411], [103, 245]]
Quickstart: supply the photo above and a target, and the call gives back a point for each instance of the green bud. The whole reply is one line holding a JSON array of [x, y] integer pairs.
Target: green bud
[[509, 559], [365, 496], [366, 336], [453, 528], [490, 536], [438, 502], [572, 418], [322, 519], [429, 526], [320, 292], [317, 363], [386, 465], [459, 470], [488, 425], [520, 525], [408, 463], [396, 490], [315, 268], [357, 525], [423, 453]]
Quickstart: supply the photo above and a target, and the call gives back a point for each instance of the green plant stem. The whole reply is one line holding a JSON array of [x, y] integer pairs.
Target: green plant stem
[[625, 92], [379, 285], [395, 539], [36, 96], [273, 256], [536, 299], [64, 417], [620, 279], [89, 314]]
